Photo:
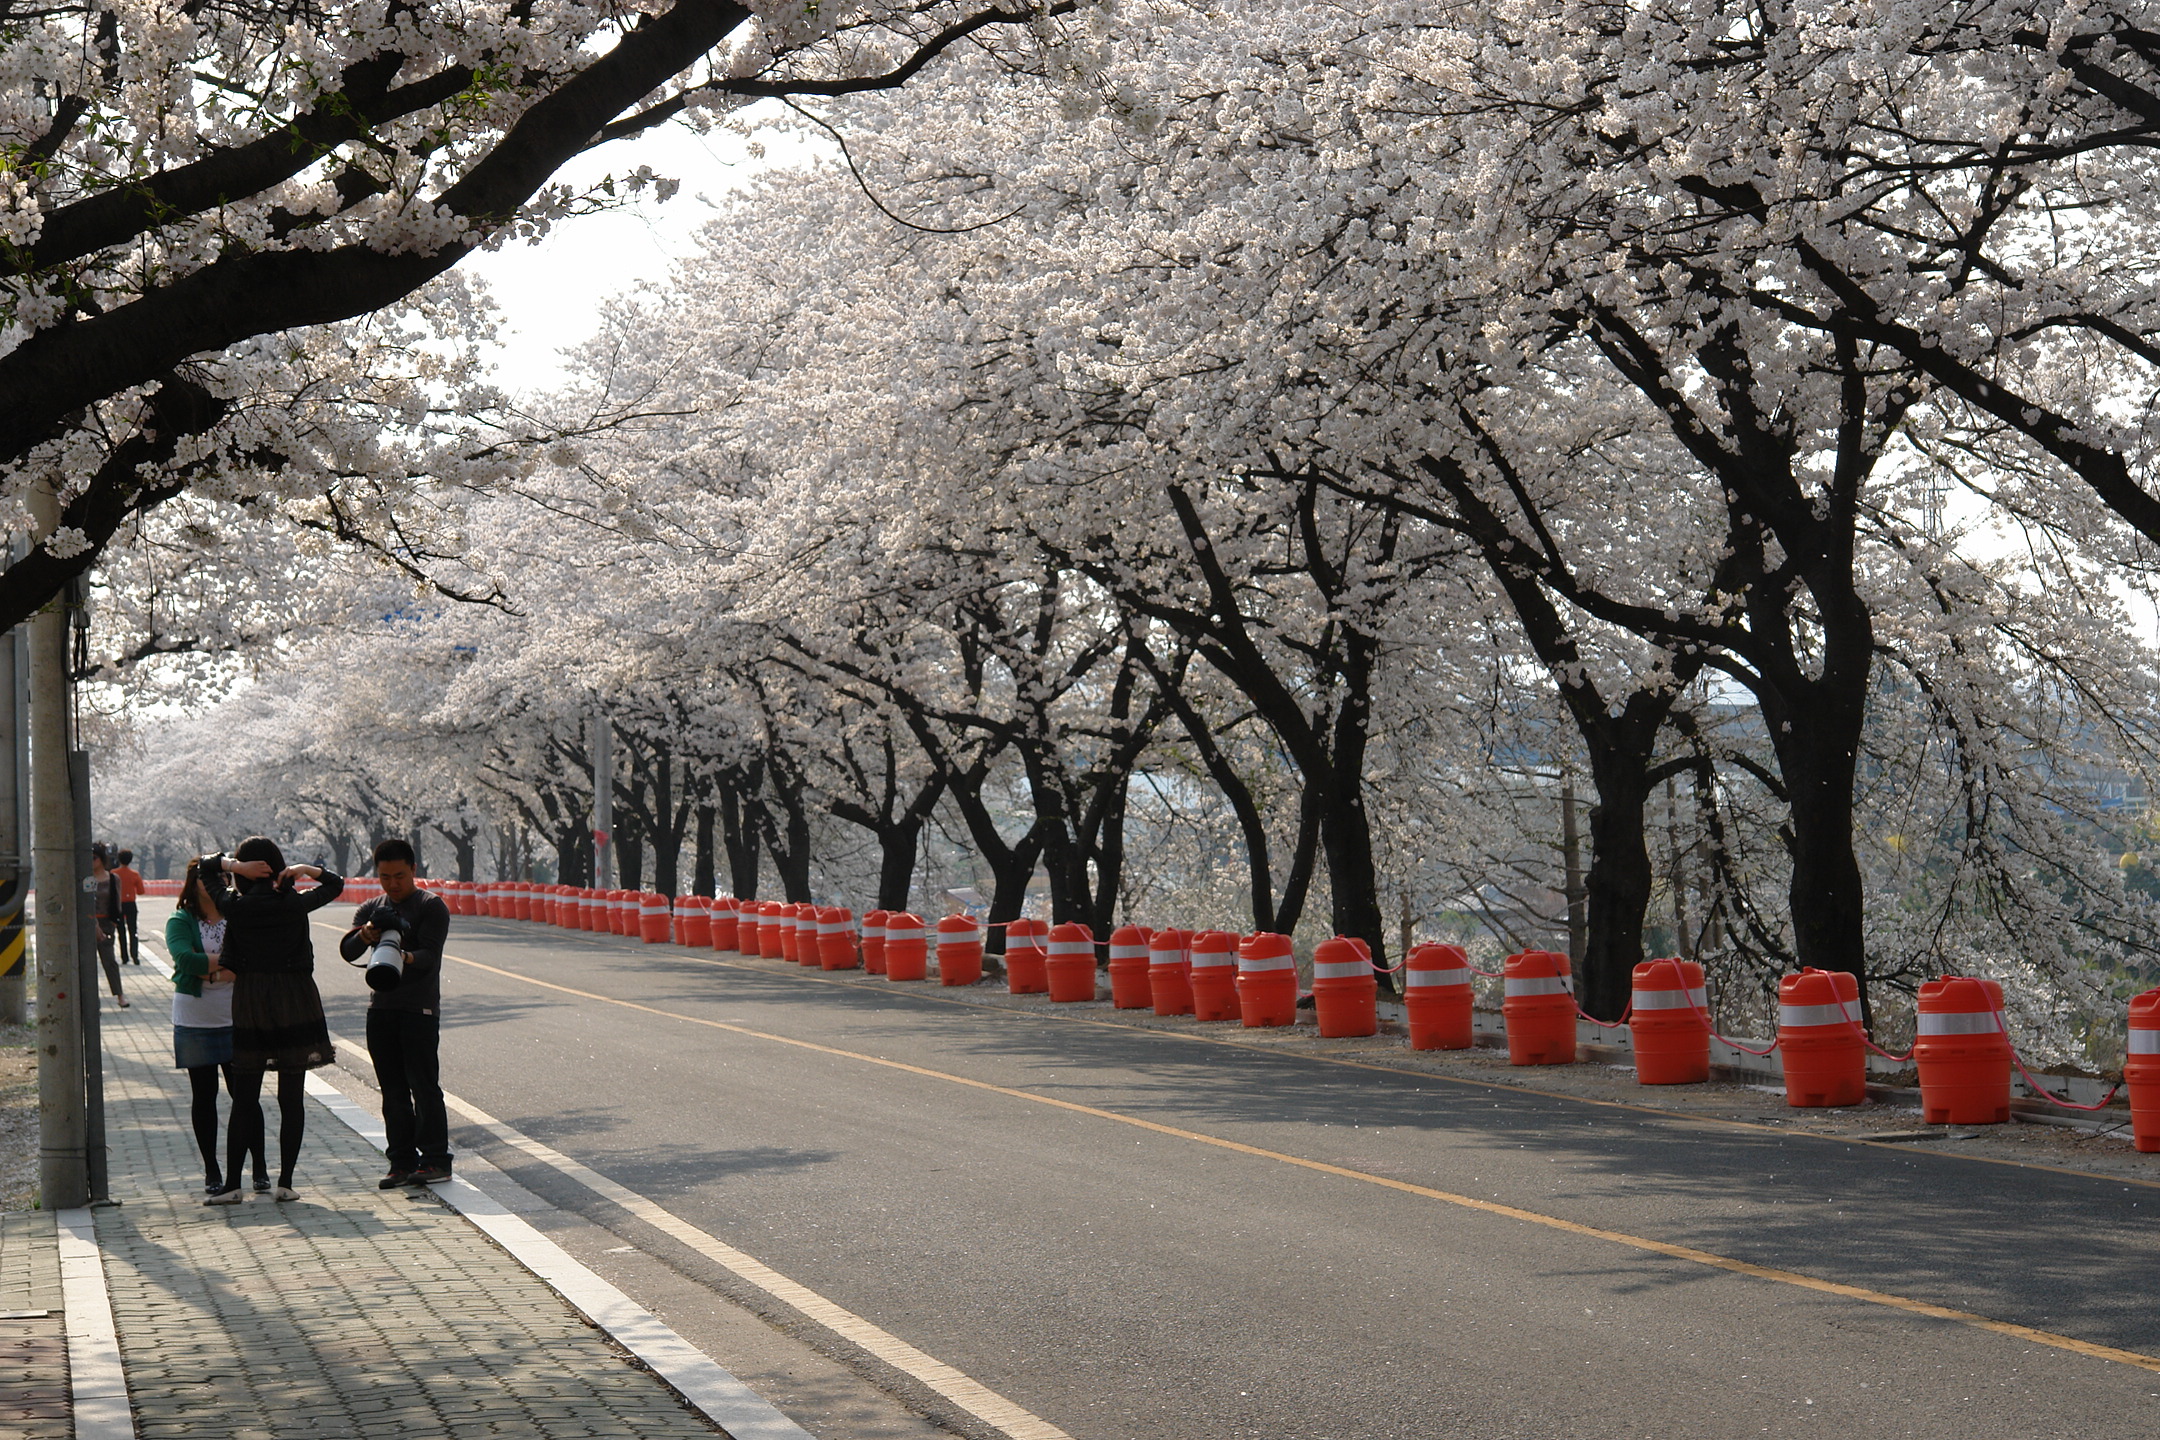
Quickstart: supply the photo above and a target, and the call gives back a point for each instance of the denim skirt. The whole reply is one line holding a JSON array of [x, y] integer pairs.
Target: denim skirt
[[197, 1045]]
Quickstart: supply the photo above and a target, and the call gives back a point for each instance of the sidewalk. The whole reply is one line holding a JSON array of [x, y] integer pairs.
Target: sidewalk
[[349, 1311]]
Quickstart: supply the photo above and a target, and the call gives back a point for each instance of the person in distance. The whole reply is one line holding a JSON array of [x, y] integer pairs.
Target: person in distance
[[404, 1023], [107, 914], [131, 892], [278, 1019]]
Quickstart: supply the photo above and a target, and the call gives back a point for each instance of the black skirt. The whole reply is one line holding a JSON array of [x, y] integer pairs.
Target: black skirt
[[278, 1023]]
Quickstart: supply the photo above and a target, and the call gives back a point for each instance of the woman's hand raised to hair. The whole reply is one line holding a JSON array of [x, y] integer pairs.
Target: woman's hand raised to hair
[[248, 869], [295, 872]]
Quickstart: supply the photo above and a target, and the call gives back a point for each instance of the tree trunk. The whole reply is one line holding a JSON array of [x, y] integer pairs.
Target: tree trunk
[[1616, 891], [897, 849], [1817, 742], [703, 880]]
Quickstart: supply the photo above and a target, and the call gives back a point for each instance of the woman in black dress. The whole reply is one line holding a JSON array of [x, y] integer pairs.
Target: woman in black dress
[[277, 1013]]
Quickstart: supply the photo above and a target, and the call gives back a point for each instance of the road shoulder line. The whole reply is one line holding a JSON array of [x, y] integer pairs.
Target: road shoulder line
[[708, 1386], [952, 1385], [97, 1381]]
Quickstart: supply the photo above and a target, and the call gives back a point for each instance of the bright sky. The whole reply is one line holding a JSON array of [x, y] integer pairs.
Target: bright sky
[[551, 293]]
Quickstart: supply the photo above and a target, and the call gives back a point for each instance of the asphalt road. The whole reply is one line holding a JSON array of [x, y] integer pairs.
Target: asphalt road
[[1123, 1282]]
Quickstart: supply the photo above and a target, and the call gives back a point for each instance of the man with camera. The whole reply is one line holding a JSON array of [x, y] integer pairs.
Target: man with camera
[[401, 937]]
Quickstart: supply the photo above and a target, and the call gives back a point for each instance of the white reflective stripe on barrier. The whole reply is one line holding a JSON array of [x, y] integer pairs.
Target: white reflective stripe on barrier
[[1691, 998], [1213, 959], [1967, 1022], [1166, 957], [832, 927], [1537, 985], [1341, 969], [1128, 952], [873, 932], [1072, 947], [1419, 979], [1803, 1016], [1265, 964], [2145, 1042]]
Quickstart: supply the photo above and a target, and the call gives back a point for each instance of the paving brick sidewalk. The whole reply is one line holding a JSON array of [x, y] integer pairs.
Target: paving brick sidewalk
[[33, 1348], [350, 1311]]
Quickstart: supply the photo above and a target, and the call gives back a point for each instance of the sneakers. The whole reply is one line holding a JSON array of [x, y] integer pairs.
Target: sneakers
[[225, 1197], [428, 1174], [395, 1180]]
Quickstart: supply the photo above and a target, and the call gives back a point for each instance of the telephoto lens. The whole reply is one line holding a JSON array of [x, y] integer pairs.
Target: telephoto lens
[[386, 962]]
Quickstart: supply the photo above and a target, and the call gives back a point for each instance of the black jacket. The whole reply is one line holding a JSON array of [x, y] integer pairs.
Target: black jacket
[[266, 925], [422, 921]]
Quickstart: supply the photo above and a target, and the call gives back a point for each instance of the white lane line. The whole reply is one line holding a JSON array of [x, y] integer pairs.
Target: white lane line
[[970, 1395], [712, 1389], [97, 1383]]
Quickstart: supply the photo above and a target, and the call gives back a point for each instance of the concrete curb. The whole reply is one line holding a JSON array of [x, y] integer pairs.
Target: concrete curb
[[97, 1382]]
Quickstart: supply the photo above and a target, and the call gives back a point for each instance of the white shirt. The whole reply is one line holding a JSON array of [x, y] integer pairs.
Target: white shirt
[[211, 1010]]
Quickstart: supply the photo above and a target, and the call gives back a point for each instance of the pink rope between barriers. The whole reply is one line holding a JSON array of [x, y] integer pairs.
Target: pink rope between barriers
[[1705, 1016], [1839, 1001], [2041, 1090], [1605, 1024]]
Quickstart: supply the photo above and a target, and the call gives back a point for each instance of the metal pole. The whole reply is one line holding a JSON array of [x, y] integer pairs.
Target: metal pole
[[14, 816], [93, 1036], [603, 803], [63, 1160]]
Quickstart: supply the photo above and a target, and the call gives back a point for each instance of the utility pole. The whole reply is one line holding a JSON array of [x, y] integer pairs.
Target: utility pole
[[14, 817], [603, 803], [63, 1138]]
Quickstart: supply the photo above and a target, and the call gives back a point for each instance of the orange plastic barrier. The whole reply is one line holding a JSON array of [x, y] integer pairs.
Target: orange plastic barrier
[[1266, 981], [1129, 969], [790, 933], [959, 950], [1962, 1052], [1819, 1035], [653, 917], [2141, 1071], [1669, 1020], [906, 955], [1069, 972], [1169, 973], [873, 941], [1538, 1006], [693, 922], [1345, 991], [806, 936], [775, 926], [1027, 957], [1212, 973], [724, 929], [1437, 993], [836, 938], [749, 927]]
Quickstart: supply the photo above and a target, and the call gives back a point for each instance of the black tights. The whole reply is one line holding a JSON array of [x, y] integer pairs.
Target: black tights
[[246, 1130], [203, 1082]]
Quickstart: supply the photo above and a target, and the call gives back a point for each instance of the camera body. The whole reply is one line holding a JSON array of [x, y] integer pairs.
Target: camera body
[[386, 961]]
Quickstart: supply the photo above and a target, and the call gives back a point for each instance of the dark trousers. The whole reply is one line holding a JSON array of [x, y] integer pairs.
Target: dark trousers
[[130, 941], [404, 1045]]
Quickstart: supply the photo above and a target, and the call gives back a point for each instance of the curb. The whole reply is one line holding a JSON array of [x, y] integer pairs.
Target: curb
[[97, 1382]]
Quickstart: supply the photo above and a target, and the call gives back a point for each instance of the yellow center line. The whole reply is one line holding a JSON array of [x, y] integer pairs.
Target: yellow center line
[[1467, 1202]]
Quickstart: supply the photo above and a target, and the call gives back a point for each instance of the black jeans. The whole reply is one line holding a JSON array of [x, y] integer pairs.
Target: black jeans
[[404, 1045], [130, 938]]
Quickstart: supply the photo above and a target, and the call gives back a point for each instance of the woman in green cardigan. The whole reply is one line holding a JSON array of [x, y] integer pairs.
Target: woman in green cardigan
[[203, 1025]]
